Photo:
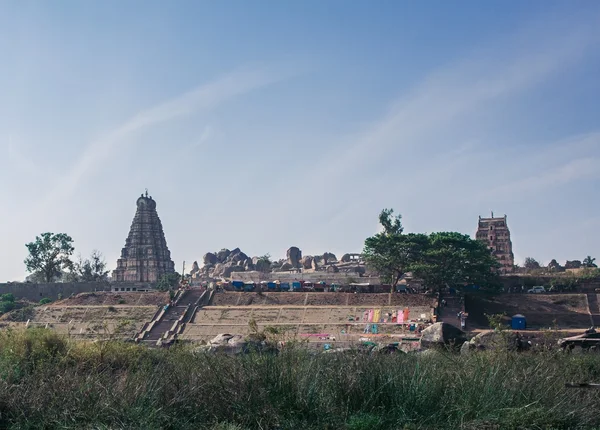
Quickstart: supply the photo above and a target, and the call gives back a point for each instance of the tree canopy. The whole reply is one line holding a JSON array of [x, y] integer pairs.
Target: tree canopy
[[455, 260], [531, 263], [91, 269], [589, 262], [390, 252], [49, 254], [440, 259]]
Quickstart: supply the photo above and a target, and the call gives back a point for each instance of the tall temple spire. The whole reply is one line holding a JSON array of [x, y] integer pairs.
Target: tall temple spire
[[145, 257]]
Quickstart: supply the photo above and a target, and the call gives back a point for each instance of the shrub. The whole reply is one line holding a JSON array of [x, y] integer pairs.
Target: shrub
[[8, 297], [21, 315], [112, 309], [51, 381], [6, 307], [121, 301], [45, 301]]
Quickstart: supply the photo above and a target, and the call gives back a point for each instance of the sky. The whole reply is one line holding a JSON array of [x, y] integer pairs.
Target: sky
[[264, 125]]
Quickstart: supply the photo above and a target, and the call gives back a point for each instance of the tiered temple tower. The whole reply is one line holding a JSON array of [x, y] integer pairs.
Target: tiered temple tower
[[496, 235], [145, 257]]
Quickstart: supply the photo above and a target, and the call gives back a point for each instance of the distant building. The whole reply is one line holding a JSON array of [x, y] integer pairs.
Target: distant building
[[145, 257], [495, 234]]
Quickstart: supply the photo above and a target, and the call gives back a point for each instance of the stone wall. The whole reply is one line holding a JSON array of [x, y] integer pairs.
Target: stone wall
[[330, 278], [35, 292]]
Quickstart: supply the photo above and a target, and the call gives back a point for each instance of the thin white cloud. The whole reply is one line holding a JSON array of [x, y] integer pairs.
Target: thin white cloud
[[204, 97]]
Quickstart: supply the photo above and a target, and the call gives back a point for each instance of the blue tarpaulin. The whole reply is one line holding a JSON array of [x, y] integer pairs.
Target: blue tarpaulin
[[296, 285], [272, 285], [285, 286], [237, 284]]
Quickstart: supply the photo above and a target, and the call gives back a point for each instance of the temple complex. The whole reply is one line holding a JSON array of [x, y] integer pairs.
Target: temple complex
[[145, 257], [496, 235]]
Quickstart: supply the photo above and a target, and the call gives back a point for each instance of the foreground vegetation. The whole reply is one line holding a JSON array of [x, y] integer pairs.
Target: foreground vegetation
[[49, 381]]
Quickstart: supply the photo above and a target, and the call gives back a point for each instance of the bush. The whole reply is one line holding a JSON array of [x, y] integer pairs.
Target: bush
[[119, 385], [45, 301], [21, 315], [6, 306], [8, 297]]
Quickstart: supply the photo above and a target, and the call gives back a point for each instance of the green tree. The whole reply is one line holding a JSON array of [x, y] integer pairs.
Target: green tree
[[391, 252], [589, 262], [91, 269], [455, 260], [264, 263], [50, 254], [168, 281], [531, 263]]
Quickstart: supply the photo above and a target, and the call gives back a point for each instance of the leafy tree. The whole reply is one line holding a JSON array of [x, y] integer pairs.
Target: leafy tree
[[91, 269], [264, 263], [531, 263], [49, 254], [391, 252], [456, 260], [168, 281], [589, 262]]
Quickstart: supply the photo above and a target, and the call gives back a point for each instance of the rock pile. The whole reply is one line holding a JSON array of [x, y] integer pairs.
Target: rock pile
[[225, 262]]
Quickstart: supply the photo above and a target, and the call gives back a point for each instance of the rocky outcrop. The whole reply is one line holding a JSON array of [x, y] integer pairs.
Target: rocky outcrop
[[307, 262], [495, 340], [329, 258], [294, 255], [223, 254], [223, 263], [209, 258], [195, 268], [440, 334]]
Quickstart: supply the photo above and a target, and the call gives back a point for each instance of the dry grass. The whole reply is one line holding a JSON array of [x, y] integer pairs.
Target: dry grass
[[48, 381]]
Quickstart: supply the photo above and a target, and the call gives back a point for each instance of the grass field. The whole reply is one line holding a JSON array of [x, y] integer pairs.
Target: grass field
[[48, 381]]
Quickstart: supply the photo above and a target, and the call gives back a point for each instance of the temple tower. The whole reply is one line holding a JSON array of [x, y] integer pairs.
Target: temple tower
[[145, 257], [496, 235]]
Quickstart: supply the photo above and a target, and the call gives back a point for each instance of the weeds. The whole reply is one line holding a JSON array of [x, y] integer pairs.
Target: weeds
[[50, 381]]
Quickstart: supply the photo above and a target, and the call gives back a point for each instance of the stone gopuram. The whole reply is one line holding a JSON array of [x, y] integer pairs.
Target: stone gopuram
[[145, 257], [495, 234]]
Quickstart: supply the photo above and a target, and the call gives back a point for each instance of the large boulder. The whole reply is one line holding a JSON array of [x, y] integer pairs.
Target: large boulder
[[329, 258], [332, 269], [195, 268], [345, 258], [209, 258], [219, 269], [496, 340], [236, 256], [294, 255], [222, 255], [442, 333], [285, 267], [307, 262], [228, 270]]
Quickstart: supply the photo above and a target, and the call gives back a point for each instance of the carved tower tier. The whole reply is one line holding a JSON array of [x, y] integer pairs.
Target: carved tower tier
[[495, 234], [145, 257]]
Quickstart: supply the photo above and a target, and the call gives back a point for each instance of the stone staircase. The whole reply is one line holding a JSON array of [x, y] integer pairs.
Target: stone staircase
[[447, 314], [594, 308], [170, 321]]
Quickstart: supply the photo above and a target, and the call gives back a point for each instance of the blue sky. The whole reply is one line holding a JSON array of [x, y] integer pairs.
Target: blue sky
[[263, 125]]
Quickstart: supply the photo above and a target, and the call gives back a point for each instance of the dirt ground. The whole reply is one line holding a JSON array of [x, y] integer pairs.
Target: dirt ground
[[115, 298], [540, 310]]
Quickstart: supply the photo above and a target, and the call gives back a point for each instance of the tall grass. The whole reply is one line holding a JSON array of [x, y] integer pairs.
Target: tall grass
[[49, 381]]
